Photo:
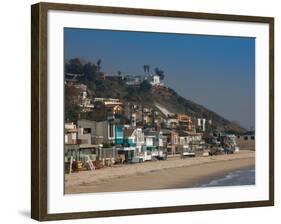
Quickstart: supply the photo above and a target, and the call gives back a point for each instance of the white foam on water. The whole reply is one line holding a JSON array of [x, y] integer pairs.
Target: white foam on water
[[240, 177]]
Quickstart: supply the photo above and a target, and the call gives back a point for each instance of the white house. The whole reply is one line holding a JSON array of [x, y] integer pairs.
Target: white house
[[202, 124], [184, 140], [172, 122], [139, 139], [70, 126], [70, 136], [156, 81]]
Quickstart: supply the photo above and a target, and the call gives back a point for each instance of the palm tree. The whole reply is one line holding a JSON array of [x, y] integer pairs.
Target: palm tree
[[146, 68], [160, 73], [99, 65]]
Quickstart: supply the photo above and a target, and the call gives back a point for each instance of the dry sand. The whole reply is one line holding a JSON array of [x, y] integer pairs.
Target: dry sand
[[172, 173]]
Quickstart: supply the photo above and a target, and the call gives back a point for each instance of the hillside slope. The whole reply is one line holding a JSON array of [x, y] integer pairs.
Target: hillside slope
[[165, 97], [146, 95], [174, 103]]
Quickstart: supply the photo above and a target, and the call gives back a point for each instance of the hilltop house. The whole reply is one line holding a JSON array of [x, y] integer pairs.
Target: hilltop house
[[136, 80], [112, 77], [133, 80], [156, 81]]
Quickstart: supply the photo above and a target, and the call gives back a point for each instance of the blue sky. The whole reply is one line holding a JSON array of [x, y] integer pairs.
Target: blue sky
[[217, 72]]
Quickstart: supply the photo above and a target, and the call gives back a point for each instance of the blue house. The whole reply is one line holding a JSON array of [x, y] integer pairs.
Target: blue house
[[119, 135]]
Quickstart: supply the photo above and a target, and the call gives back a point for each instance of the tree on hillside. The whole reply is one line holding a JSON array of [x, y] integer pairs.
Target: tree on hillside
[[145, 86], [90, 71], [160, 73], [74, 66], [72, 109], [99, 65], [146, 68]]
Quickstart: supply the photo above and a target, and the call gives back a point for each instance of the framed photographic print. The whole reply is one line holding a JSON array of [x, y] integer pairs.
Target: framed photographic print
[[139, 111]]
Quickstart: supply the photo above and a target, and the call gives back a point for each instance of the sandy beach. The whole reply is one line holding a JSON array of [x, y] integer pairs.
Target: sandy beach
[[172, 173]]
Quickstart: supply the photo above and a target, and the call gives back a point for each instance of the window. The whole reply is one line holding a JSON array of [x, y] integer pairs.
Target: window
[[111, 126], [87, 130]]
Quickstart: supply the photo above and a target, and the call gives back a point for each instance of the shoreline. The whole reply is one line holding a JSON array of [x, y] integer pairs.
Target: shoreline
[[215, 176], [175, 173]]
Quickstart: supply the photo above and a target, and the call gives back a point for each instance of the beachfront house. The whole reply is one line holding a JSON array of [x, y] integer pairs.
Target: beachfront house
[[153, 141], [185, 122], [119, 135], [70, 136], [126, 146], [196, 141], [184, 138], [134, 137], [101, 131], [129, 137], [172, 139], [246, 141], [139, 139], [149, 140], [84, 136]]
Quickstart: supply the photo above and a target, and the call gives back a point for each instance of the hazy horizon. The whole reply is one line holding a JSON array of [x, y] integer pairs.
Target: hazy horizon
[[217, 72]]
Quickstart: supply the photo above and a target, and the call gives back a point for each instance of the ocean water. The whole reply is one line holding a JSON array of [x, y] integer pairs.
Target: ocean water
[[236, 178]]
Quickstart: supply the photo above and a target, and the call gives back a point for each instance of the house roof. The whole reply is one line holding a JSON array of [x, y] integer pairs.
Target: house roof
[[166, 131], [128, 132], [113, 105], [183, 133]]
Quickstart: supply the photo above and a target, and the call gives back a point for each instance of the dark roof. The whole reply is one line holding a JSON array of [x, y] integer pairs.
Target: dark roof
[[183, 133], [74, 75], [128, 132], [166, 131]]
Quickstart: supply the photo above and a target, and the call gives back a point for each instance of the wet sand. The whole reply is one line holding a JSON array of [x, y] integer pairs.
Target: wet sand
[[173, 173]]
